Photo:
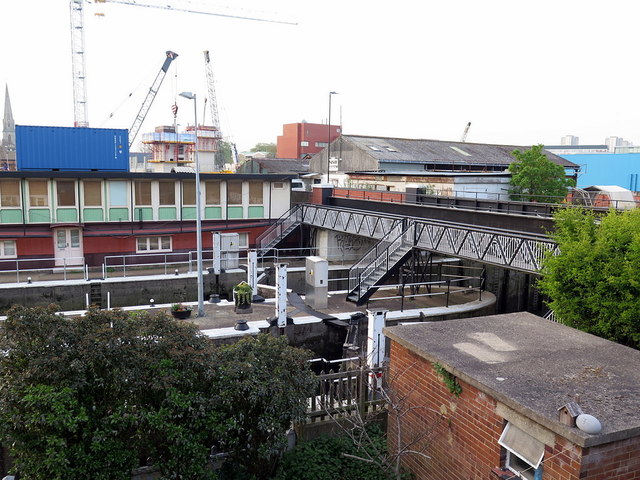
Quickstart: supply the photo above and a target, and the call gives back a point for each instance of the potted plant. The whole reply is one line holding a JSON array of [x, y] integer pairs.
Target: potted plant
[[243, 294], [181, 311]]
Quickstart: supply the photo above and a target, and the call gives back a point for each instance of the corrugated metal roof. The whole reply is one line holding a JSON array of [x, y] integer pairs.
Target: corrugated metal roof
[[442, 152]]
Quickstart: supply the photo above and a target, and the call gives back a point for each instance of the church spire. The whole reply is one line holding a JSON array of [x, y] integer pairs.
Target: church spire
[[8, 125], [8, 145]]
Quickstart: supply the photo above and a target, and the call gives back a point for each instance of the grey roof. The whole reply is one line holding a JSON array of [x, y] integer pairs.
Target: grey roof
[[444, 152], [281, 165], [535, 366]]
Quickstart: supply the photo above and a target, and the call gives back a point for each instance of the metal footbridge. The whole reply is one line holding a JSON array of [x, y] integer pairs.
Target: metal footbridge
[[398, 235]]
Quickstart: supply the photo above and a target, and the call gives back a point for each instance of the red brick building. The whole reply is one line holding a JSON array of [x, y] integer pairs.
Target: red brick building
[[298, 139], [515, 371]]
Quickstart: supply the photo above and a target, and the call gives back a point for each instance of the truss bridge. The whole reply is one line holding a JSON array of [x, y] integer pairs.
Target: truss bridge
[[397, 236]]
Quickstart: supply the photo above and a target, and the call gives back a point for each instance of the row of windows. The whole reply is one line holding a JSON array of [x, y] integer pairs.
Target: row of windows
[[304, 143], [92, 192], [143, 244]]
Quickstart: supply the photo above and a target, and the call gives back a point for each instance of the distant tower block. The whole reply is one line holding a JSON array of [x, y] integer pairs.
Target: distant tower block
[[570, 140]]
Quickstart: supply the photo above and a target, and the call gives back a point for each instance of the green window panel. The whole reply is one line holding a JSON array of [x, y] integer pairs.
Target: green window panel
[[256, 212], [118, 214], [39, 215], [212, 212], [142, 213], [166, 213], [66, 215], [234, 212], [93, 215], [10, 216], [188, 213]]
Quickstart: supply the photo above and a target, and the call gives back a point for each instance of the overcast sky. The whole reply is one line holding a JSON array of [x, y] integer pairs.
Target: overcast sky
[[522, 71]]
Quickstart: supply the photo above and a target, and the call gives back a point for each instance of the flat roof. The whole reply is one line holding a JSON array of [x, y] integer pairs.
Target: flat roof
[[277, 177], [534, 366]]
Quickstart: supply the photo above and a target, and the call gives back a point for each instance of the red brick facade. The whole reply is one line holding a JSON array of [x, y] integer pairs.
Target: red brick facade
[[466, 429], [298, 139]]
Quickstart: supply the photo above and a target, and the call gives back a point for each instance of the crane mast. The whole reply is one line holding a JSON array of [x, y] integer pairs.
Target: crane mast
[[213, 104], [466, 131], [80, 116], [151, 95]]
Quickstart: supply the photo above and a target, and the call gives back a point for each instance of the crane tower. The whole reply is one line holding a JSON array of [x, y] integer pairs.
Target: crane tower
[[80, 116], [213, 104]]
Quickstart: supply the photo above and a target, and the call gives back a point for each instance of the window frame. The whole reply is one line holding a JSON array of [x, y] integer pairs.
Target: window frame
[[148, 243], [61, 191], [258, 185], [40, 196], [232, 196], [92, 183], [535, 470], [142, 188], [17, 195], [2, 249], [170, 186]]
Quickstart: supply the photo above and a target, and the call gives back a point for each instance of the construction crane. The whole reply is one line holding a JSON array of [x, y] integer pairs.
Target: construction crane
[[213, 104], [80, 116], [466, 131], [151, 95], [78, 65]]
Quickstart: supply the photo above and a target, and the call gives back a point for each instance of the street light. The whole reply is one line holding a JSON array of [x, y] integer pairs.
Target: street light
[[192, 96], [329, 135]]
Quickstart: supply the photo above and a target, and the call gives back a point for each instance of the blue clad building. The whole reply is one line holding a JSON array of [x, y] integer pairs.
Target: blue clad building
[[622, 169]]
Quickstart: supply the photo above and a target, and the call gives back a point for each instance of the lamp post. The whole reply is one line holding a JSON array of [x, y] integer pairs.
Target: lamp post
[[329, 135], [192, 96]]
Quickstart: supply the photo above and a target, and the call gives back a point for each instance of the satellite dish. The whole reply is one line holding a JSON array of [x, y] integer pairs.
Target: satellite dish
[[588, 423]]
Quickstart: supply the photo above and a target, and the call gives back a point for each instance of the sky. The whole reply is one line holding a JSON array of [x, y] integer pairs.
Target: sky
[[521, 71]]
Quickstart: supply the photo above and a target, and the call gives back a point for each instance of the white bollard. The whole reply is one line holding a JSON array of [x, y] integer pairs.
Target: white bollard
[[375, 337], [252, 271], [281, 294]]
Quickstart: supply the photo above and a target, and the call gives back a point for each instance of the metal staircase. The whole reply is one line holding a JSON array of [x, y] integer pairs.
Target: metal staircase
[[381, 261], [286, 224]]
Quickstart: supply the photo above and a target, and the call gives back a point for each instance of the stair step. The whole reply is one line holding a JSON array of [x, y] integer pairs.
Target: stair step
[[353, 298]]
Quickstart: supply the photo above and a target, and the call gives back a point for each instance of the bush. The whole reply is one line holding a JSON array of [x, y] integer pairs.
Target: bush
[[323, 459]]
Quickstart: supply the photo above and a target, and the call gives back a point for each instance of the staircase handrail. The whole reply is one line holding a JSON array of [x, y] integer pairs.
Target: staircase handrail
[[275, 230], [380, 253]]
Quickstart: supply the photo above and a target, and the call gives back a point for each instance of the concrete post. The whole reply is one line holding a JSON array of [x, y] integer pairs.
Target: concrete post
[[252, 271], [216, 253], [281, 294], [375, 338]]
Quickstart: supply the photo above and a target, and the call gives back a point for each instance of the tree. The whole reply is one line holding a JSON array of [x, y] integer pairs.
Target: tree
[[593, 284], [262, 386], [94, 397], [536, 178], [224, 153], [269, 148]]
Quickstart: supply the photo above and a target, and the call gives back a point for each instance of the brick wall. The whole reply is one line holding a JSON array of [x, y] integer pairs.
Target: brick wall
[[462, 432], [465, 429], [617, 460]]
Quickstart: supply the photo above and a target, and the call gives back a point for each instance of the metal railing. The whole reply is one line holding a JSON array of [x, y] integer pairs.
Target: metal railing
[[377, 261], [276, 231], [35, 269], [503, 202]]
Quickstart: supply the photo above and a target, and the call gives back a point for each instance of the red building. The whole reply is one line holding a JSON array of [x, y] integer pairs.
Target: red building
[[298, 139], [514, 396]]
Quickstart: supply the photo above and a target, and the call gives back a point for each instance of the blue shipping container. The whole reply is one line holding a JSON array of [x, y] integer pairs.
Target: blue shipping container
[[72, 149]]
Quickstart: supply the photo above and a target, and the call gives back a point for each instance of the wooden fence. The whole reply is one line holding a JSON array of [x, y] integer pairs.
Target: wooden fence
[[343, 393]]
